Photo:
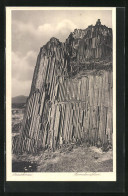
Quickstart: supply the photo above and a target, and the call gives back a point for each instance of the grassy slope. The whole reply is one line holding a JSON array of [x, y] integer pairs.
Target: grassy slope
[[76, 159]]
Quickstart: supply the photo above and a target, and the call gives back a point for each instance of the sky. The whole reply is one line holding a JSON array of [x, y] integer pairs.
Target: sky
[[31, 29]]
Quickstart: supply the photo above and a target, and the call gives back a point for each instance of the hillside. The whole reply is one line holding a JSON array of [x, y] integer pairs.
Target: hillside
[[19, 99]]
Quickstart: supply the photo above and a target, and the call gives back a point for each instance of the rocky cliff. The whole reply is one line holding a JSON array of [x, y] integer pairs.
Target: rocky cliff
[[71, 93]]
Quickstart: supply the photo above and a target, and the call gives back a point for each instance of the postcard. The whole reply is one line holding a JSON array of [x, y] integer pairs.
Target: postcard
[[60, 94]]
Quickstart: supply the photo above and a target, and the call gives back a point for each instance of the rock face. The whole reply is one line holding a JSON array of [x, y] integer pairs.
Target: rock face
[[71, 93]]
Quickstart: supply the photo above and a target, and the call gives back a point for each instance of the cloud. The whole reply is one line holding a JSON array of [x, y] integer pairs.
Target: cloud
[[26, 41], [65, 24], [46, 30], [20, 28], [60, 27], [22, 72], [20, 88], [23, 66], [60, 30]]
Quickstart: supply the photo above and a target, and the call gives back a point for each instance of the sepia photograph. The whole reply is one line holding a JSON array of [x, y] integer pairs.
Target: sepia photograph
[[61, 94]]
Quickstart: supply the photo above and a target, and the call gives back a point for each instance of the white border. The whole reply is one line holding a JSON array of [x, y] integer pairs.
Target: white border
[[40, 176]]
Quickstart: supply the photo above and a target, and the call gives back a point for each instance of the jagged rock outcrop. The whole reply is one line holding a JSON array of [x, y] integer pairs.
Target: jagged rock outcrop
[[71, 93]]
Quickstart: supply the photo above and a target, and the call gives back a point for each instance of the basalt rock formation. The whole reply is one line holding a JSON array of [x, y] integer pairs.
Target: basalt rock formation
[[71, 93]]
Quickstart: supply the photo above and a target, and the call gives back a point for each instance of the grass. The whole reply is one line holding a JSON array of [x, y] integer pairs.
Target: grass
[[76, 159]]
